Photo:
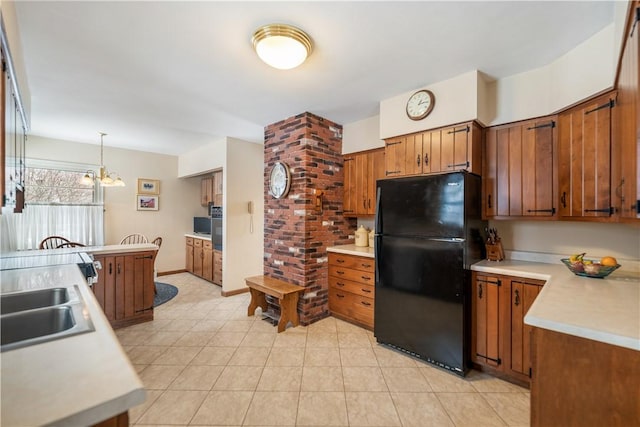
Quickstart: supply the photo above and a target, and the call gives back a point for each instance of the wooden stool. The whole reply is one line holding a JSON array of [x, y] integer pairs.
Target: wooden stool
[[287, 295]]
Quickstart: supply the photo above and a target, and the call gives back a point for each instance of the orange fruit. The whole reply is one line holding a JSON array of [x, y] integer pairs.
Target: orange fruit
[[609, 261]]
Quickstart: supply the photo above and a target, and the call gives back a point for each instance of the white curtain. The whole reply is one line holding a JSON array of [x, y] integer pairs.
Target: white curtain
[[78, 223]]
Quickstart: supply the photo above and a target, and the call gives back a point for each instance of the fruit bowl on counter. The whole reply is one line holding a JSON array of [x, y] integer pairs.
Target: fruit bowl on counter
[[591, 268]]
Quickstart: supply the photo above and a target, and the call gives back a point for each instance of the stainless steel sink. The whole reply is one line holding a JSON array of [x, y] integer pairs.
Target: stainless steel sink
[[20, 301], [34, 317]]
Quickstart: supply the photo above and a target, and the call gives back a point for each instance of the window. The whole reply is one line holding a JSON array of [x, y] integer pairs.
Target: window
[[58, 183], [56, 204]]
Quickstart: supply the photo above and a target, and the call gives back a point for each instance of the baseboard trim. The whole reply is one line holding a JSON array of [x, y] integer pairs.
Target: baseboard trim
[[234, 292], [166, 273]]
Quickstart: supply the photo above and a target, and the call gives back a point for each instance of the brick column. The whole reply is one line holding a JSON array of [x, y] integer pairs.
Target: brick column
[[296, 234]]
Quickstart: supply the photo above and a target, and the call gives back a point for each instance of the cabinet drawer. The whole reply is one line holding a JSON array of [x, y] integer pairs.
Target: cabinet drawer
[[197, 243], [361, 289], [352, 261], [207, 244], [351, 274], [189, 241], [353, 306]]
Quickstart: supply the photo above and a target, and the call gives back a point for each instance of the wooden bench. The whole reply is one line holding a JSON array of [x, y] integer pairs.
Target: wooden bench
[[287, 295]]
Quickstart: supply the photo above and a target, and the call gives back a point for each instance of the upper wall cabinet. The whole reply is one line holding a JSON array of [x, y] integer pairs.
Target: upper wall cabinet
[[627, 122], [13, 137], [584, 166], [361, 170], [434, 151], [211, 189], [519, 170]]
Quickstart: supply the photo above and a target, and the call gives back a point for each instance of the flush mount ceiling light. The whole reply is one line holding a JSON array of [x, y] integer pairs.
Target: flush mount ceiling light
[[282, 46], [106, 178]]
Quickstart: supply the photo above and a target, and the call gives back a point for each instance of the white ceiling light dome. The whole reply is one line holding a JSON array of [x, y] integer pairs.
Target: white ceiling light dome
[[282, 46]]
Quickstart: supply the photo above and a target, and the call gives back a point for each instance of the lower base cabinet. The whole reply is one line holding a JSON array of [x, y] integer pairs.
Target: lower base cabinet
[[125, 287], [352, 288], [581, 382], [500, 340], [203, 260]]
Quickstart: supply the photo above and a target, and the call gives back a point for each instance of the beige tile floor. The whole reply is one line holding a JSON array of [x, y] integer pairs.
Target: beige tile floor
[[205, 363]]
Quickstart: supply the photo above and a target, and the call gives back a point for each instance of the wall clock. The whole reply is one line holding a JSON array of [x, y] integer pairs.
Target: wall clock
[[279, 180], [420, 104]]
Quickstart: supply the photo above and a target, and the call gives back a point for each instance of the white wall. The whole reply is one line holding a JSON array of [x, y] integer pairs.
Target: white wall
[[243, 248], [179, 199], [565, 238], [456, 101], [242, 164], [203, 159], [361, 135]]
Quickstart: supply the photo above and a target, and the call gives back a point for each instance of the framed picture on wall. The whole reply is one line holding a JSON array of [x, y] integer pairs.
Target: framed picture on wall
[[148, 186], [146, 202]]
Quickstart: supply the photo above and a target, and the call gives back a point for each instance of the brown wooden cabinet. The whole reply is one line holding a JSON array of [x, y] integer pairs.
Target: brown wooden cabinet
[[519, 170], [217, 188], [203, 260], [500, 341], [206, 190], [580, 382], [361, 170], [627, 123], [189, 255], [438, 150], [125, 287], [217, 267], [584, 167], [352, 288], [486, 345]]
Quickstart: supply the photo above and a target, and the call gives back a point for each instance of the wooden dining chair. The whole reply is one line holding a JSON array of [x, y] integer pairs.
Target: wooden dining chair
[[133, 239], [53, 242], [157, 241], [70, 245]]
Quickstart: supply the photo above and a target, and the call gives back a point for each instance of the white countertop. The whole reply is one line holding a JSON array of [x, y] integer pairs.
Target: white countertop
[[96, 250], [605, 310], [199, 236], [365, 251], [74, 381]]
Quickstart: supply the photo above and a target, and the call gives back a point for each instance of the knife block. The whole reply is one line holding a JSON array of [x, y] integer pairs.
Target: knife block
[[495, 251]]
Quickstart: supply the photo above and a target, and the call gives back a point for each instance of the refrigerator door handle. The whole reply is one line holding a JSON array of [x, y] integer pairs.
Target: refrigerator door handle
[[376, 244], [450, 239]]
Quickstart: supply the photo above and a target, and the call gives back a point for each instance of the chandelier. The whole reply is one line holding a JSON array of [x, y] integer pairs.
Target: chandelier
[[106, 178]]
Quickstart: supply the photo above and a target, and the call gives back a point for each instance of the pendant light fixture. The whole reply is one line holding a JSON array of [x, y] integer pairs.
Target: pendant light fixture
[[282, 46], [106, 178]]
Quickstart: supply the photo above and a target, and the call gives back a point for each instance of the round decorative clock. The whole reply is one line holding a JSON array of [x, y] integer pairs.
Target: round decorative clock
[[279, 180], [420, 104]]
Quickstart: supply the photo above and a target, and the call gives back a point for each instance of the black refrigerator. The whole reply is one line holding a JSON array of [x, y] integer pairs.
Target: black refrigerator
[[428, 233]]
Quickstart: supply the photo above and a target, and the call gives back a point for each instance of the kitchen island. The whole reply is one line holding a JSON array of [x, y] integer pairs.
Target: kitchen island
[[78, 380], [585, 345]]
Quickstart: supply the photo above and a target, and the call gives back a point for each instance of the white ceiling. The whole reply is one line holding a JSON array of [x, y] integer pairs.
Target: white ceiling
[[166, 77]]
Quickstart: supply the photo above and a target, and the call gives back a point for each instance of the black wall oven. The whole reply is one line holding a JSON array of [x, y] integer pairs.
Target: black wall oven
[[216, 226]]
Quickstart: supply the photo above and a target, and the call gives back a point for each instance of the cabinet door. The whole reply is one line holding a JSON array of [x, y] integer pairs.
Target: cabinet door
[[217, 267], [454, 148], [207, 262], [198, 257], [584, 139], [362, 172], [105, 288], [206, 189], [349, 199], [395, 157], [142, 280], [413, 154], [519, 169], [486, 321], [627, 119], [522, 296], [189, 255], [217, 189], [375, 166], [124, 287]]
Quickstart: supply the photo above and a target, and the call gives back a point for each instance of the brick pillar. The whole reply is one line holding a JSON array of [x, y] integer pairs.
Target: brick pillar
[[296, 235]]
